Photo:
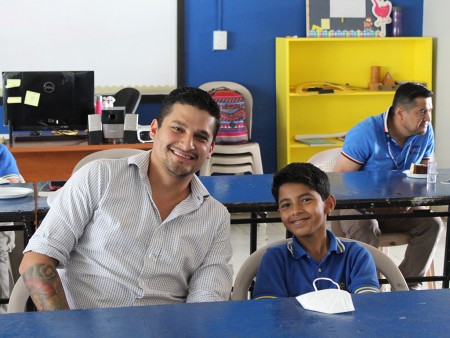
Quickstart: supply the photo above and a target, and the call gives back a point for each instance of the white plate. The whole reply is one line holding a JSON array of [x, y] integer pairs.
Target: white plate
[[14, 192], [414, 175]]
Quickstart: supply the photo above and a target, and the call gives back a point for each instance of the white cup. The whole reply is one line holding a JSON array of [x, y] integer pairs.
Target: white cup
[[432, 172]]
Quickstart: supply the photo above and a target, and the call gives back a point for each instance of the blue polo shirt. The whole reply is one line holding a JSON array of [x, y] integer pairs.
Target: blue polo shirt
[[287, 270], [8, 166], [369, 144]]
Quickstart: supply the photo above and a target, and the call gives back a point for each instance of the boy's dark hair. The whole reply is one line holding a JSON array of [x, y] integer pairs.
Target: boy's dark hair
[[304, 173], [408, 92], [192, 96]]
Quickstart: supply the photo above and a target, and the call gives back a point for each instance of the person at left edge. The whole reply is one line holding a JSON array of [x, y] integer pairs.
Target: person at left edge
[[10, 172], [138, 231]]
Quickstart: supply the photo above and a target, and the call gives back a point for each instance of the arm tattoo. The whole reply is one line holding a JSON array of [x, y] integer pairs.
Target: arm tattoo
[[44, 284]]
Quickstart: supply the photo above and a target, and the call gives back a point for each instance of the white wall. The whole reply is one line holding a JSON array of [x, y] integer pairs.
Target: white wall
[[436, 25]]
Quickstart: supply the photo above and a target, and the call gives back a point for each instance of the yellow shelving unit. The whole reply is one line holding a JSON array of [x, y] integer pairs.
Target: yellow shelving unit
[[344, 61]]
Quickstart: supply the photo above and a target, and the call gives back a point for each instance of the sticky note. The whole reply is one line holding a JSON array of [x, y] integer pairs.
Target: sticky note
[[14, 99], [12, 83], [316, 28], [325, 23], [32, 98]]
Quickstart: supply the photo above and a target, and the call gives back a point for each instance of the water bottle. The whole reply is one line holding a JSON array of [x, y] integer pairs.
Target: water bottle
[[397, 21], [99, 105]]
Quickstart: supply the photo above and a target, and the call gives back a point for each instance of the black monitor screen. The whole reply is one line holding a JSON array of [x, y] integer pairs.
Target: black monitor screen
[[48, 100]]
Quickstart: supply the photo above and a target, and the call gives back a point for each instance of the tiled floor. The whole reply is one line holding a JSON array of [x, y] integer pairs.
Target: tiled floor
[[267, 233]]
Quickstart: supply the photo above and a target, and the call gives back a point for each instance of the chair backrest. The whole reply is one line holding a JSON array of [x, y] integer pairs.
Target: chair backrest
[[326, 160], [245, 94], [107, 153], [128, 98], [249, 268], [19, 297]]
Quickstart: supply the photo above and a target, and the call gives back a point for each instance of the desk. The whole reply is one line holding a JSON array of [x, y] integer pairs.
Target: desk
[[18, 210], [42, 161], [390, 314]]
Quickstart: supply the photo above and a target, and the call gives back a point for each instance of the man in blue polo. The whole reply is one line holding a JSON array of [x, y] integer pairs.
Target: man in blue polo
[[302, 192], [393, 141]]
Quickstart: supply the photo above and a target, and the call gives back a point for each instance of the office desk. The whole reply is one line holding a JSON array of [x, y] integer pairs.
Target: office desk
[[21, 211], [391, 314], [41, 161]]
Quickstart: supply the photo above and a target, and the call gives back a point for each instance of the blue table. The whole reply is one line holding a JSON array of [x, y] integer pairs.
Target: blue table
[[360, 189], [391, 314]]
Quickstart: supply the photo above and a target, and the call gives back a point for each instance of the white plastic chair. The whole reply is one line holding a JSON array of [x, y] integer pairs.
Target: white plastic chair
[[236, 154], [248, 270], [108, 153], [19, 297]]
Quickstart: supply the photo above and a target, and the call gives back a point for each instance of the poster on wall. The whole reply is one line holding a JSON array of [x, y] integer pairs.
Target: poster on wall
[[347, 18]]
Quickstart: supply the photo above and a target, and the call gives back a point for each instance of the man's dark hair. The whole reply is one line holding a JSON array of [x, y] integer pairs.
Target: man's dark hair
[[304, 173], [407, 93], [192, 96]]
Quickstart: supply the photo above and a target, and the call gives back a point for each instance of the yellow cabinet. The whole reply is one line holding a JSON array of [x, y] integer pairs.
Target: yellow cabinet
[[344, 64]]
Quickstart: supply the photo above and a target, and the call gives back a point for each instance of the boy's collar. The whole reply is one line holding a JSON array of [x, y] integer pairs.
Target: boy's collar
[[297, 251]]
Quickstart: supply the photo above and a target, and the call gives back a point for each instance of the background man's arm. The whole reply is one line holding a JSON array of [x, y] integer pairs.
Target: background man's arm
[[43, 282], [344, 164]]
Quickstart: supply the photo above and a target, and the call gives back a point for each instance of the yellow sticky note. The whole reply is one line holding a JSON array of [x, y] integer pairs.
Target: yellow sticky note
[[325, 23], [32, 98], [316, 28], [12, 83], [14, 99]]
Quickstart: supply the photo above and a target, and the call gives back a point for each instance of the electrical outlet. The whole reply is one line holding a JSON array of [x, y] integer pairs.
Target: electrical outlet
[[220, 40]]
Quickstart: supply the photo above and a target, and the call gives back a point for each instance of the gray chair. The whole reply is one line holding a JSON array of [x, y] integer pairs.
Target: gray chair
[[249, 268], [235, 158], [128, 98]]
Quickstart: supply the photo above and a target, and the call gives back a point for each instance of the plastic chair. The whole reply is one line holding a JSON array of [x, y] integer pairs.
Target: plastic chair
[[326, 160], [108, 153], [128, 98], [248, 270], [19, 297], [236, 154]]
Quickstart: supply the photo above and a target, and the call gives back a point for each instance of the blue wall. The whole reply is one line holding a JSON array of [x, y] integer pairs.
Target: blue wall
[[252, 26]]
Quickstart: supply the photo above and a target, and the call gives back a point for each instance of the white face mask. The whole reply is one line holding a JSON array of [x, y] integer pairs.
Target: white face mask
[[327, 301]]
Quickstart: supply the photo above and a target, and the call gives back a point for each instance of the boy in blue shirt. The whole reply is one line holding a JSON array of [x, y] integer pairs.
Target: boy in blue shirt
[[302, 192]]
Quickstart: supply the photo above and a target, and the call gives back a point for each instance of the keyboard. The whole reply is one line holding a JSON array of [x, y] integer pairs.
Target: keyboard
[[49, 137]]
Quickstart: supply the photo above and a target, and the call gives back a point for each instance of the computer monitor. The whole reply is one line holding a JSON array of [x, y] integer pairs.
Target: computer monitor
[[48, 100]]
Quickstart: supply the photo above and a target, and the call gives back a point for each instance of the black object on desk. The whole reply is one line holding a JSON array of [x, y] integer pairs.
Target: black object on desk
[[49, 137]]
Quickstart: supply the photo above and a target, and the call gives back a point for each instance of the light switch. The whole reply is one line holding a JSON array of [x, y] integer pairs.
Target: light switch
[[220, 40]]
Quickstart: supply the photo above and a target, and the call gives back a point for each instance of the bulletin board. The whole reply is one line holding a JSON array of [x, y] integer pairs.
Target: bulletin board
[[347, 18]]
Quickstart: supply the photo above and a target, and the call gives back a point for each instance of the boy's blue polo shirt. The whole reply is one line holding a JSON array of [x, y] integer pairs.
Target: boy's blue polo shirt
[[287, 270], [369, 144]]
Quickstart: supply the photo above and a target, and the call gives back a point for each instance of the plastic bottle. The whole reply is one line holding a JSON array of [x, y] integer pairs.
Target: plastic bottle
[[397, 25], [99, 105]]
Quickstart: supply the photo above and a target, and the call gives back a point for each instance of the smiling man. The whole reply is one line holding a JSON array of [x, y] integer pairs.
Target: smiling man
[[393, 141], [302, 192], [141, 230]]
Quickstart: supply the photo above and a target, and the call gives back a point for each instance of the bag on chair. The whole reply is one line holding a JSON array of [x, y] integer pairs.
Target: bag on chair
[[232, 128]]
